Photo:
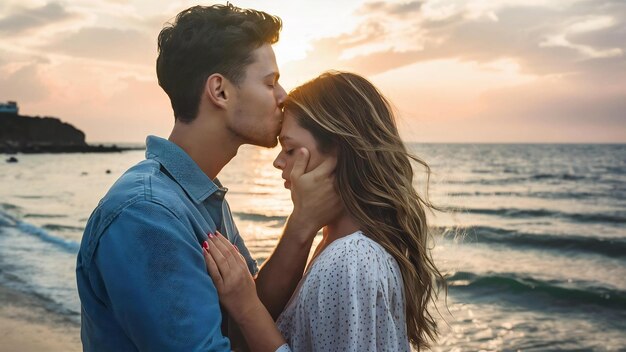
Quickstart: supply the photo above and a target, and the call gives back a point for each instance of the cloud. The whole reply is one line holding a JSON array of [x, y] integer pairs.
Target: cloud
[[26, 19], [519, 32], [574, 52], [123, 45], [391, 9], [24, 84]]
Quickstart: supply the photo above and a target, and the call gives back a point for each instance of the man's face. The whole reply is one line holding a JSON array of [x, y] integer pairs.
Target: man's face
[[257, 113]]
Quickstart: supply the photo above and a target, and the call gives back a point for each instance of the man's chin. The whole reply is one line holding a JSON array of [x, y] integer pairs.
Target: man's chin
[[274, 142], [271, 144]]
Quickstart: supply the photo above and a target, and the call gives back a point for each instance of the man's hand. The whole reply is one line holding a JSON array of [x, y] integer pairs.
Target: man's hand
[[315, 200]]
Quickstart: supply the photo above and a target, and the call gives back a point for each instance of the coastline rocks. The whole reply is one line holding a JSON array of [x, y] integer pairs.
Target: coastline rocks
[[26, 134], [12, 160], [25, 130]]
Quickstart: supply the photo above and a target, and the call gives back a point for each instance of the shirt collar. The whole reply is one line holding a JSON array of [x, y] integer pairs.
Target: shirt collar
[[183, 169]]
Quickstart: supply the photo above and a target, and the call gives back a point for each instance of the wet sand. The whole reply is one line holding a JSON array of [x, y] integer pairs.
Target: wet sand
[[26, 325]]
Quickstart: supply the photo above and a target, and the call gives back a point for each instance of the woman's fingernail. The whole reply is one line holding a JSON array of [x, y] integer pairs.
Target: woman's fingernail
[[210, 235], [236, 248], [205, 245]]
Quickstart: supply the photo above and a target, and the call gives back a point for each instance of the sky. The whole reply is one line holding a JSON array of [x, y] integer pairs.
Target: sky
[[478, 71]]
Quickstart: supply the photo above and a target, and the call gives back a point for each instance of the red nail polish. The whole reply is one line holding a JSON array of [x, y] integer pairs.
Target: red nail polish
[[205, 245], [210, 235]]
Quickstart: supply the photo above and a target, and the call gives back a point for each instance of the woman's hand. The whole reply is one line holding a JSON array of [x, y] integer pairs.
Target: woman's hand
[[237, 292], [228, 269]]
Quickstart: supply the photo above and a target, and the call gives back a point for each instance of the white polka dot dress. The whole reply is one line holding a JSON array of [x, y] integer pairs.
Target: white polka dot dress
[[350, 299]]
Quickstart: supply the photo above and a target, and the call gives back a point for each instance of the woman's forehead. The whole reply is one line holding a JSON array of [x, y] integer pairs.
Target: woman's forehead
[[291, 131]]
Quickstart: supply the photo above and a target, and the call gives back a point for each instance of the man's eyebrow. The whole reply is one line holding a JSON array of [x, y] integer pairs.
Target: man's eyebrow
[[274, 75]]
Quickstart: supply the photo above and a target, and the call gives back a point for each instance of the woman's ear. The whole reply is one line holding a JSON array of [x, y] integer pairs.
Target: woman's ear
[[216, 90]]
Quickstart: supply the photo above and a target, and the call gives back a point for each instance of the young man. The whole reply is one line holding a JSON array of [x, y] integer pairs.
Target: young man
[[141, 275]]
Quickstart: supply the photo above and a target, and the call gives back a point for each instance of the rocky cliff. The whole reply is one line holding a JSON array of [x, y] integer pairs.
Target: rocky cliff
[[28, 134]]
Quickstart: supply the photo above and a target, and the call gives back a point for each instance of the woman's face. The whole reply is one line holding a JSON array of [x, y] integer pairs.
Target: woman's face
[[292, 137]]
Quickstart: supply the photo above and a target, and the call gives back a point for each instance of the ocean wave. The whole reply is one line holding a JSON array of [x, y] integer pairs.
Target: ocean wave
[[564, 176], [259, 217], [26, 288], [542, 195], [610, 247], [6, 220], [250, 193], [9, 207], [45, 216], [57, 227], [552, 178], [68, 245], [535, 291], [613, 218], [73, 315], [614, 170]]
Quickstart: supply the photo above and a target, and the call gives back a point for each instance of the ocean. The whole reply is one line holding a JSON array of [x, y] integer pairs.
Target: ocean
[[534, 244]]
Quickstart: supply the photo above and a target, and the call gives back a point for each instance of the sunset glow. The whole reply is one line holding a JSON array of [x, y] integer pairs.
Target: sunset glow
[[456, 71]]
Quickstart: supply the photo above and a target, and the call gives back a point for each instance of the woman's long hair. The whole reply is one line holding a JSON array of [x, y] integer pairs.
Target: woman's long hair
[[374, 178]]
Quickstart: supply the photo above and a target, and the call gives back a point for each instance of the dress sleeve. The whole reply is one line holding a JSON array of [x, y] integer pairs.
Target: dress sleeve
[[283, 348], [347, 307], [156, 283]]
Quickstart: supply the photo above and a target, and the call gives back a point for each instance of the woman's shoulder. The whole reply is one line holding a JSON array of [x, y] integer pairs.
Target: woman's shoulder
[[357, 243], [354, 253]]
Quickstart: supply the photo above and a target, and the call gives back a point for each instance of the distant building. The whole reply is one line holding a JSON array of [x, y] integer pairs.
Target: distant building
[[10, 107]]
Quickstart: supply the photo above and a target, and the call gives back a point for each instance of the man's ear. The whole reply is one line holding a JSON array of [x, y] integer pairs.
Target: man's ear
[[217, 89]]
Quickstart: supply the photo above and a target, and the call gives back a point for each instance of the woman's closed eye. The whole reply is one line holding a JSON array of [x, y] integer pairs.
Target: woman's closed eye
[[289, 152]]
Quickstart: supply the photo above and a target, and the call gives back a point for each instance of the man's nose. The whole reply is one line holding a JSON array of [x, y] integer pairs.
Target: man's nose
[[281, 96]]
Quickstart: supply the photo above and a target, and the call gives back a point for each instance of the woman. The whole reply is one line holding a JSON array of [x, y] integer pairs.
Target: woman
[[372, 276]]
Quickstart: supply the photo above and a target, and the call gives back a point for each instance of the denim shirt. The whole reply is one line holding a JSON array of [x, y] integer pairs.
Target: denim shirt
[[141, 276]]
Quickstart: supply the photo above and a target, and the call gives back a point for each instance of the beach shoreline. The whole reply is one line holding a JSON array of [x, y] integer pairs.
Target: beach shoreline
[[26, 325]]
